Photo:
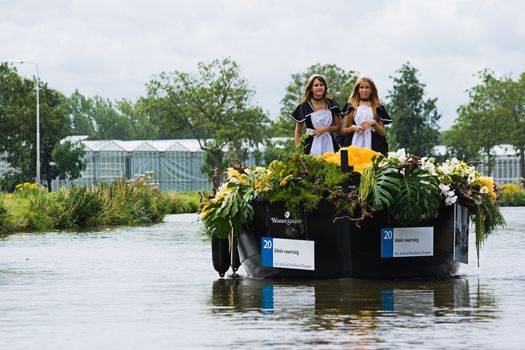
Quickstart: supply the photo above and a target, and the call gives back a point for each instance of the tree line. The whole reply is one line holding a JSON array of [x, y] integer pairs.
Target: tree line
[[216, 107]]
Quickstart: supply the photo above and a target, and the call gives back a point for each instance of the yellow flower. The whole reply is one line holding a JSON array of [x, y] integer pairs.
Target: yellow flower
[[485, 181], [205, 212], [221, 193], [358, 157], [233, 173], [261, 186], [285, 181], [271, 167]]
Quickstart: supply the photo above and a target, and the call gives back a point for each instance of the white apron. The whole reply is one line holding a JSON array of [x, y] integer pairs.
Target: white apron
[[323, 143], [363, 140]]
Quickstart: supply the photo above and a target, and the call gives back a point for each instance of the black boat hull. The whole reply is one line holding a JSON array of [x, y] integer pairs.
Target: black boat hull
[[343, 249]]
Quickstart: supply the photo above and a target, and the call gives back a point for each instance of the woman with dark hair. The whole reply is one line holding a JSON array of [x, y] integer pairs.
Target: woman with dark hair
[[365, 118], [320, 113]]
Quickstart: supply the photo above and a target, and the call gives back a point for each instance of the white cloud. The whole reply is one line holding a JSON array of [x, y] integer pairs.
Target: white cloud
[[113, 48]]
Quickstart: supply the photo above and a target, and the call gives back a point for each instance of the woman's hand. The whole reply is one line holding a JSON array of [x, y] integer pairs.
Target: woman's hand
[[359, 129], [369, 123], [320, 131]]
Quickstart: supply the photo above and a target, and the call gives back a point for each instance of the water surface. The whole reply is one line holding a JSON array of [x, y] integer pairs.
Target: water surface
[[155, 288]]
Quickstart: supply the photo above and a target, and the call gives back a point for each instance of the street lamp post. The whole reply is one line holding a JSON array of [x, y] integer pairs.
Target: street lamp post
[[37, 117]]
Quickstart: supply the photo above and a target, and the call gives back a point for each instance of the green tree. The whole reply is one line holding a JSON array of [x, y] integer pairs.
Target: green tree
[[68, 159], [214, 105], [482, 123], [140, 125], [108, 122], [18, 125], [340, 85], [415, 119], [101, 118], [80, 112], [513, 103]]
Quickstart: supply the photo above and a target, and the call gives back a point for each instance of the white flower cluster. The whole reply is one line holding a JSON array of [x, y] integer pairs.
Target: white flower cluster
[[450, 196], [400, 155], [455, 167], [428, 165]]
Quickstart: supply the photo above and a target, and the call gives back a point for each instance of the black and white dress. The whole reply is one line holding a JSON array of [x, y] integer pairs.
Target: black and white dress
[[369, 138], [305, 113]]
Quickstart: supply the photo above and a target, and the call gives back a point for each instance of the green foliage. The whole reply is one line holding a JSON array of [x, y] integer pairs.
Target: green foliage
[[182, 202], [298, 182], [68, 159], [132, 202], [233, 209], [297, 185], [494, 114], [488, 217], [415, 119], [513, 106], [101, 118], [18, 124], [6, 223], [481, 123], [408, 191], [120, 203], [340, 85]]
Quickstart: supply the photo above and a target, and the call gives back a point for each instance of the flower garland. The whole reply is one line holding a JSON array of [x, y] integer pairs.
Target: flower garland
[[301, 181]]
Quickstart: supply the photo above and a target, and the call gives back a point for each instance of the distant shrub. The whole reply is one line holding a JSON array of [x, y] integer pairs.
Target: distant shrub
[[122, 202], [512, 195], [182, 202], [6, 223]]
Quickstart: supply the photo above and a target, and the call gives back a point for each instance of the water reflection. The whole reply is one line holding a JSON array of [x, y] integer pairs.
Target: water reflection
[[329, 302]]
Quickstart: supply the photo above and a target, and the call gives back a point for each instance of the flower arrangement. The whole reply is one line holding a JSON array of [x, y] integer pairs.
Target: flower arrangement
[[410, 187]]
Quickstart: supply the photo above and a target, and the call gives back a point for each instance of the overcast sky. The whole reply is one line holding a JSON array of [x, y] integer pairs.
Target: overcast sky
[[112, 48]]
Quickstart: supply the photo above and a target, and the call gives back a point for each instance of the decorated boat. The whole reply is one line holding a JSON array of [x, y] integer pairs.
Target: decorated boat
[[354, 213]]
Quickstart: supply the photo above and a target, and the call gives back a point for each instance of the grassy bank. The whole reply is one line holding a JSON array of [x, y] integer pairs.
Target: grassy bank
[[32, 209]]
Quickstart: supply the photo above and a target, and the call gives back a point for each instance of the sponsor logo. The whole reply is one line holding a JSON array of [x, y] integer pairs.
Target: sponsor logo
[[287, 220]]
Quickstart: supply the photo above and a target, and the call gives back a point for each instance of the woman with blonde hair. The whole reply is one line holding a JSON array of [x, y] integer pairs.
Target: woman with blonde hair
[[364, 118], [320, 113]]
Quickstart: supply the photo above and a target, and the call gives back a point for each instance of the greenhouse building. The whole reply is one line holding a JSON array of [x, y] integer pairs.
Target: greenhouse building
[[176, 164]]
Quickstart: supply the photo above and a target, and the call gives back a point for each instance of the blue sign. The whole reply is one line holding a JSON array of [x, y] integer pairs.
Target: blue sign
[[267, 251], [402, 242], [387, 242]]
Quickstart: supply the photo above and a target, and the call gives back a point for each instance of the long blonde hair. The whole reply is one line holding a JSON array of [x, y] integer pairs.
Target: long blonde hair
[[374, 97], [308, 93]]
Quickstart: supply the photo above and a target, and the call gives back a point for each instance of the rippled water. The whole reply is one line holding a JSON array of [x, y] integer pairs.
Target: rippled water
[[154, 287]]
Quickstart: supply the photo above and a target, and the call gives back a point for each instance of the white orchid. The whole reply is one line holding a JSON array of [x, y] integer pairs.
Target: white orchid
[[400, 155], [428, 165], [450, 195]]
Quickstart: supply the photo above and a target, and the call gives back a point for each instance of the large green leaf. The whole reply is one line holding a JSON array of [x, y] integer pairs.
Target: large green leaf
[[418, 196], [387, 183]]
